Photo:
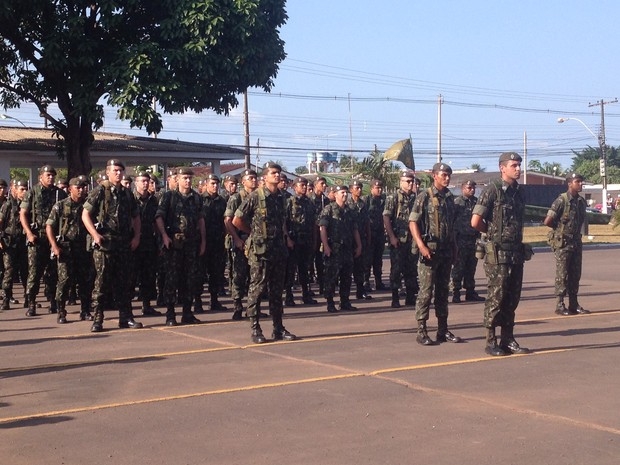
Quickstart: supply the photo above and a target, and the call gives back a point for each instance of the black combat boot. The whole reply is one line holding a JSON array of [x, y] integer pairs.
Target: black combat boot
[[422, 337], [289, 299], [331, 306], [307, 296], [198, 305], [5, 303], [148, 310], [53, 307], [171, 319], [238, 310], [97, 326], [280, 333], [188, 317], [62, 313], [345, 305], [472, 296], [443, 334], [491, 347], [126, 319], [395, 299], [410, 297], [560, 308], [32, 307], [257, 332], [456, 297], [361, 292], [216, 306], [85, 314], [379, 286], [508, 343], [574, 307]]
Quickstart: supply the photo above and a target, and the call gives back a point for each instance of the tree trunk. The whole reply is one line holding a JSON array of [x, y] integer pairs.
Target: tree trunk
[[78, 140]]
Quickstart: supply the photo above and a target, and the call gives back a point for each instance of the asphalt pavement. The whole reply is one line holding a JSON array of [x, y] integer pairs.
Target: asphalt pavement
[[354, 389]]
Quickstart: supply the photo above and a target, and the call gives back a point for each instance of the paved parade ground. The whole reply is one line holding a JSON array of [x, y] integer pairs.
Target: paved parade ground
[[355, 389]]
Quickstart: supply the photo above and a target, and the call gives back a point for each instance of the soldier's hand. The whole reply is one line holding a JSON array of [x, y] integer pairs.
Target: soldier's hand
[[358, 251], [327, 251], [31, 238], [202, 249], [165, 241], [239, 244], [135, 242], [56, 251], [394, 242]]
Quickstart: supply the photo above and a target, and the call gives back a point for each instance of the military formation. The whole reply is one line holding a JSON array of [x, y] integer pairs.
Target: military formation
[[262, 237]]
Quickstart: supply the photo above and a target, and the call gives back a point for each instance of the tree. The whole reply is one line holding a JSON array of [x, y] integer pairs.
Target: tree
[[477, 167], [183, 54], [301, 170], [374, 166], [587, 163]]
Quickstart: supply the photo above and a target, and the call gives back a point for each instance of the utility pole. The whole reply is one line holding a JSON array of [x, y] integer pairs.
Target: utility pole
[[246, 129], [524, 157], [603, 149], [439, 103]]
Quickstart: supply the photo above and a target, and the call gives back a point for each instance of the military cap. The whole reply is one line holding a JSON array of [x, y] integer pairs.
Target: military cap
[[184, 170], [407, 174], [154, 178], [248, 173], [320, 178], [376, 183], [83, 177], [212, 177], [20, 182], [61, 181], [340, 187], [356, 183], [572, 176], [301, 180], [126, 177], [273, 165], [142, 174], [469, 182], [103, 177], [283, 177], [115, 162], [508, 156], [172, 172], [232, 178], [47, 169], [3, 183], [437, 167], [77, 182]]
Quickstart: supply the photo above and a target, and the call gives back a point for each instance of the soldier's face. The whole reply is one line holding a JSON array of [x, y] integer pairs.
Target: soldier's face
[[406, 184], [47, 179], [249, 182], [20, 192], [376, 191], [511, 170], [301, 188], [142, 184], [576, 185], [115, 174], [212, 186], [319, 187], [272, 177], [231, 187], [185, 182], [340, 196], [468, 190], [441, 179]]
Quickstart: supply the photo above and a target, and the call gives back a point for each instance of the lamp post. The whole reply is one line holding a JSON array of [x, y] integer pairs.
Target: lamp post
[[603, 159], [4, 116]]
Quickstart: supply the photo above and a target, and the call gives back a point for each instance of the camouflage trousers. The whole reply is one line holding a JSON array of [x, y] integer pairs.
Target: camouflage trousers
[[299, 260], [15, 265], [434, 279], [75, 265], [181, 273], [40, 265], [112, 287], [215, 266], [338, 267], [464, 269], [359, 265], [504, 292], [240, 270], [403, 265], [269, 276], [568, 262], [374, 261], [144, 274]]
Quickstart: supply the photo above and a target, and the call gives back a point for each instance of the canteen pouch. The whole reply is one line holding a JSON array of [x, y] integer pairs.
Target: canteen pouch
[[555, 241], [491, 253]]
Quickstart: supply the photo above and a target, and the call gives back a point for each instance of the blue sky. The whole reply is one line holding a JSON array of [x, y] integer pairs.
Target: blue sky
[[361, 74]]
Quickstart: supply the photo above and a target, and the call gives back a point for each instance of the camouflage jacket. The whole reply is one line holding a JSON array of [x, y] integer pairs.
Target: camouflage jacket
[[213, 209], [398, 207], [300, 219], [340, 222], [66, 221], [502, 206], [38, 204], [464, 206]]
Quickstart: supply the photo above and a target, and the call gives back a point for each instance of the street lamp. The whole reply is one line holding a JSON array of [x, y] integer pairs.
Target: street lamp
[[3, 116], [603, 160]]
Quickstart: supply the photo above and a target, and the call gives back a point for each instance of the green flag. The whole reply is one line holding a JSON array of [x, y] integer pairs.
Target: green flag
[[401, 151]]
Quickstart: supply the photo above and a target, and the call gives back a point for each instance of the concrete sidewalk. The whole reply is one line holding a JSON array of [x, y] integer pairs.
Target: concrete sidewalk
[[355, 389]]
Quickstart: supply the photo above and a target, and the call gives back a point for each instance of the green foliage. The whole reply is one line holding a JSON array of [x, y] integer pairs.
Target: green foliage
[[587, 163], [183, 54], [375, 167], [554, 169], [301, 170]]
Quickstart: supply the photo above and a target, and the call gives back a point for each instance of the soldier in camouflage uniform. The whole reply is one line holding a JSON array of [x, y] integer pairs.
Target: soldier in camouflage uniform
[[568, 220], [341, 244], [499, 213], [35, 209], [262, 216], [112, 219], [464, 268], [357, 204], [181, 225], [214, 261], [67, 237], [432, 228], [12, 242], [320, 200], [240, 266], [403, 264], [301, 221], [375, 203], [145, 256]]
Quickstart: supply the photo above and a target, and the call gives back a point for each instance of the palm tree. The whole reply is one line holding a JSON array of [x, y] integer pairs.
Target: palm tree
[[374, 166]]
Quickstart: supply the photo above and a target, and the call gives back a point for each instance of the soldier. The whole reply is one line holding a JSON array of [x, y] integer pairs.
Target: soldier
[[568, 220], [146, 254], [67, 237], [341, 243], [35, 210], [375, 203], [230, 187], [182, 228], [213, 209], [239, 264], [154, 185], [320, 200], [126, 181], [432, 228], [398, 207], [499, 213], [301, 220], [357, 204], [61, 183], [262, 217], [12, 243], [464, 268], [112, 219]]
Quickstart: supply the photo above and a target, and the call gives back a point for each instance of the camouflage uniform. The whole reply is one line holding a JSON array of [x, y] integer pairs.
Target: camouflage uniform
[[340, 223], [240, 268], [112, 209], [363, 227], [264, 212], [433, 213], [320, 202], [37, 206], [75, 263], [14, 254], [181, 215], [214, 260], [375, 206], [403, 262], [569, 218], [146, 256], [464, 269]]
